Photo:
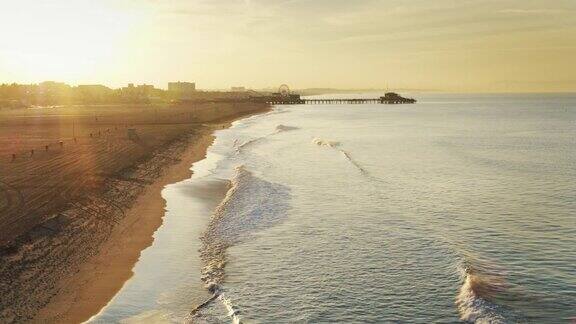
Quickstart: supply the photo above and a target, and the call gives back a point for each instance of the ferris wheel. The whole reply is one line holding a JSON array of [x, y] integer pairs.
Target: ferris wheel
[[284, 90]]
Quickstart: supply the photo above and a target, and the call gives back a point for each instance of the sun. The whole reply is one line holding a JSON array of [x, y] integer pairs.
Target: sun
[[64, 40]]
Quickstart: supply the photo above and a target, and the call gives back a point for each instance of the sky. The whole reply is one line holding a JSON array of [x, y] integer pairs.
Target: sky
[[435, 45]]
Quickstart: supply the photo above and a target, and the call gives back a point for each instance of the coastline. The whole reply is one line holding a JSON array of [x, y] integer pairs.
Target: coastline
[[99, 279], [102, 261]]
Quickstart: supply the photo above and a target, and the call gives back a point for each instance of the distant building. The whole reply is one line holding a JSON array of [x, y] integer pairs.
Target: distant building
[[238, 89], [51, 93], [181, 90], [143, 92], [145, 87], [93, 92], [93, 87], [54, 85], [52, 88], [394, 98]]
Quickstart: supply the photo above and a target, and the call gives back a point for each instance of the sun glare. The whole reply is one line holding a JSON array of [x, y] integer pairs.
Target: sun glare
[[64, 39]]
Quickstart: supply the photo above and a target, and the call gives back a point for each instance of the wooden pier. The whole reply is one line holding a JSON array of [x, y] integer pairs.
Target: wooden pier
[[353, 101], [295, 99]]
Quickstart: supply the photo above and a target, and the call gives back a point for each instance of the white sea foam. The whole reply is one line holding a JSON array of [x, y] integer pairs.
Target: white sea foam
[[322, 142], [356, 164], [477, 292], [233, 313], [337, 146], [251, 204]]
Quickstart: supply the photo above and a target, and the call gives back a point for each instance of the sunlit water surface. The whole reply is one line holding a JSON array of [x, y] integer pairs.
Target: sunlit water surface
[[456, 208]]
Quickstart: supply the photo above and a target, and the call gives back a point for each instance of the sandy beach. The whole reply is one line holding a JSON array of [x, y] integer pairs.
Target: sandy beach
[[65, 264]]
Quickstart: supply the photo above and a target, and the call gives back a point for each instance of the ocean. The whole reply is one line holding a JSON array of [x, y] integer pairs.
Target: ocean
[[460, 208]]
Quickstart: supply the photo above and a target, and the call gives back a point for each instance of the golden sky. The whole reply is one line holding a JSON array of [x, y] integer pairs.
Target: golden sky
[[445, 45]]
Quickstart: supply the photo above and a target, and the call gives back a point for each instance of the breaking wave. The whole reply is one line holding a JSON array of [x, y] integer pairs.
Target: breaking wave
[[233, 313], [244, 145], [347, 156], [322, 142], [481, 287], [251, 205], [279, 129], [284, 128], [351, 160]]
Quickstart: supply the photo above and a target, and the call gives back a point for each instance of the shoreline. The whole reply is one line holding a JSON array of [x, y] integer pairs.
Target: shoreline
[[100, 279], [103, 254]]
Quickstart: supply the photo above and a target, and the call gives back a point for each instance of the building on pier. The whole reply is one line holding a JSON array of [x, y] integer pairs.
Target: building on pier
[[394, 98]]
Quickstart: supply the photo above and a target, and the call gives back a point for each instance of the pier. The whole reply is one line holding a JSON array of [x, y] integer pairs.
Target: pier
[[381, 100], [296, 100], [284, 97]]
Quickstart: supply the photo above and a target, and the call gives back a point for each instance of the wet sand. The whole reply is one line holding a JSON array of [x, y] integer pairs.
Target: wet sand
[[102, 277], [71, 264]]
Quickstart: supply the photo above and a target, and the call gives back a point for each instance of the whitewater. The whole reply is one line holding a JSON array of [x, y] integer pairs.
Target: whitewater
[[457, 209]]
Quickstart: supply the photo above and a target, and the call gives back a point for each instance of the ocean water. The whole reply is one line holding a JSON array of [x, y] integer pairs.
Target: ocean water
[[456, 209]]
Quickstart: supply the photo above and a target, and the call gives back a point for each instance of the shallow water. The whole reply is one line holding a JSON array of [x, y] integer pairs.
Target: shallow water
[[456, 208]]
